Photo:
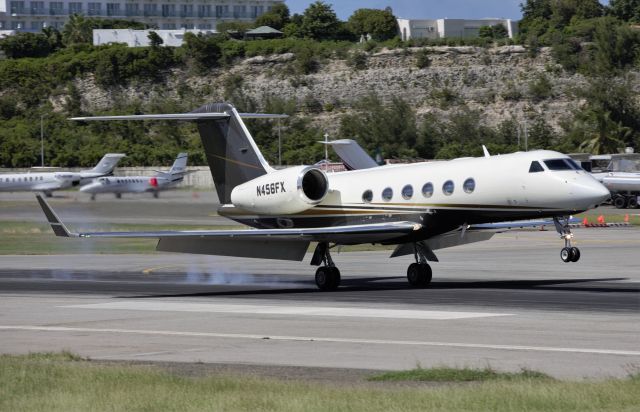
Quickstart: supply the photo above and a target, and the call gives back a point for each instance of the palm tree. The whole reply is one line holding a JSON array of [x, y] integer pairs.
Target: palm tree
[[77, 30]]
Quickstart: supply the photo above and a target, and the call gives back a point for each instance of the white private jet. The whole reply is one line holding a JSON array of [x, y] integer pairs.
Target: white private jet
[[419, 207], [48, 182], [139, 184]]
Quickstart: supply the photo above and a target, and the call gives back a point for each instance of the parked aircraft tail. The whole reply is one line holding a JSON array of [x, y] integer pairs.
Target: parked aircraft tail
[[179, 165], [106, 165], [231, 152]]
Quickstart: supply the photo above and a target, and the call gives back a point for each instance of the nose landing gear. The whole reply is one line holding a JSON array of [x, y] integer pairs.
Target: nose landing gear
[[568, 253], [419, 274]]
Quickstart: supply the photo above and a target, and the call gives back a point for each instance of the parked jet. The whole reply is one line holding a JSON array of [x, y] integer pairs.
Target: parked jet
[[420, 207], [48, 182], [139, 184]]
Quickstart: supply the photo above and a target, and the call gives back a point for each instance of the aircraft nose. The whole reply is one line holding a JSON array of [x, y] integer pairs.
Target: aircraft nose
[[594, 193], [88, 188]]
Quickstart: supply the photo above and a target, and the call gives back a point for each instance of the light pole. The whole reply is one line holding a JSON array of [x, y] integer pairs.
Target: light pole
[[42, 140], [279, 144]]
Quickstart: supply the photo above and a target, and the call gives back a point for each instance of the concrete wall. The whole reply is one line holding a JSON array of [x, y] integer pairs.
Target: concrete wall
[[140, 38], [443, 28]]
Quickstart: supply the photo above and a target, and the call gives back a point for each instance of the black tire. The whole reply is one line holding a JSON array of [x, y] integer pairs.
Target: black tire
[[575, 254], [156, 195], [419, 275], [566, 255], [327, 278], [48, 194], [632, 202], [118, 195], [620, 202]]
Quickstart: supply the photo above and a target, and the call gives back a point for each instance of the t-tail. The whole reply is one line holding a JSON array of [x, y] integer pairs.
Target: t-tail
[[232, 154], [179, 165]]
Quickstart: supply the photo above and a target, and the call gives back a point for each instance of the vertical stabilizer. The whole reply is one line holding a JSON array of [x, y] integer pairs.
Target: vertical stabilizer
[[231, 152], [106, 165], [180, 164]]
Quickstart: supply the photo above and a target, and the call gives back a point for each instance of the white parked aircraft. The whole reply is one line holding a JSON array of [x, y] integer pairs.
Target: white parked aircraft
[[48, 182], [419, 207], [139, 184]]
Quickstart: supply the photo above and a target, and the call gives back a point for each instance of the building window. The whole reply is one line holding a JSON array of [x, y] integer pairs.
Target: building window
[[113, 9], [407, 192], [448, 187], [150, 9], [75, 8], [17, 25], [56, 8], [239, 12], [186, 10], [204, 10], [204, 26], [469, 185], [169, 26], [94, 9], [168, 10], [37, 7], [222, 11], [131, 9], [427, 189], [37, 25], [387, 194], [367, 196], [17, 7]]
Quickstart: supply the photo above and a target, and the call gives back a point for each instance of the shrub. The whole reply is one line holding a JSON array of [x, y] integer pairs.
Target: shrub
[[422, 59], [358, 60]]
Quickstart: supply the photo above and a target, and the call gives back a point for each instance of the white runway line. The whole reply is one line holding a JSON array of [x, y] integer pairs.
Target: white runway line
[[323, 311], [323, 340]]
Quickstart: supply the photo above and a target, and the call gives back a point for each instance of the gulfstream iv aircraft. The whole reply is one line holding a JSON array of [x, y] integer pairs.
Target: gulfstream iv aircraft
[[47, 182], [419, 207], [139, 184]]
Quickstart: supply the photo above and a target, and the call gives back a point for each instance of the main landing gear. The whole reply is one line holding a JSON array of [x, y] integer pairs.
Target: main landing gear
[[328, 275], [568, 253], [419, 273]]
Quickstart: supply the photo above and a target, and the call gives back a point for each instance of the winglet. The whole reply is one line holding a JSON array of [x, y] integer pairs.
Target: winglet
[[485, 151], [58, 227]]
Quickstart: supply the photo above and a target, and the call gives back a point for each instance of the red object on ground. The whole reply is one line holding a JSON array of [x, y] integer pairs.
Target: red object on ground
[[153, 182], [601, 220], [585, 222], [626, 218]]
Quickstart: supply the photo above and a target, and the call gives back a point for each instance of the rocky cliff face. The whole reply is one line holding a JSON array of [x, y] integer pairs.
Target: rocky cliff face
[[496, 81]]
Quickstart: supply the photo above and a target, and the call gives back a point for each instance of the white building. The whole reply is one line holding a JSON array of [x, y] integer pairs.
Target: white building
[[443, 28], [140, 38], [27, 15]]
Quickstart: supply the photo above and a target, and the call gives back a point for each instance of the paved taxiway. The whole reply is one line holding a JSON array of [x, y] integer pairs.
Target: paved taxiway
[[509, 303]]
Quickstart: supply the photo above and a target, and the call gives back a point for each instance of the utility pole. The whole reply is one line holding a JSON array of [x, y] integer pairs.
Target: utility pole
[[279, 144], [526, 137], [42, 140], [326, 151]]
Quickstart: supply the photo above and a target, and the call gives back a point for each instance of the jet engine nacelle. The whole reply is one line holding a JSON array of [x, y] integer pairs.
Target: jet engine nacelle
[[68, 179], [285, 191]]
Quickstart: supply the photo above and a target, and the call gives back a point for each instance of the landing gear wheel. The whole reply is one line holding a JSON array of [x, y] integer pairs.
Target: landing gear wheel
[[632, 202], [48, 194], [327, 278], [566, 255], [419, 275], [156, 195], [93, 197], [575, 254], [118, 195], [620, 202]]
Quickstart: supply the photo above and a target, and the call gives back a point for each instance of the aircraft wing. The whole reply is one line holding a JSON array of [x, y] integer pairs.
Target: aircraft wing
[[287, 244], [352, 154]]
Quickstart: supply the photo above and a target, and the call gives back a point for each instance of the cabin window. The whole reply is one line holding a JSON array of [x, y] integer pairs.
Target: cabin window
[[407, 192], [535, 167], [367, 196], [387, 194], [469, 185], [448, 187], [558, 164], [427, 189]]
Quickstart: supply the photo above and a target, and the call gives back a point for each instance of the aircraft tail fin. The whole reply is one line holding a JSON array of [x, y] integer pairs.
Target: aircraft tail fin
[[108, 162], [179, 165]]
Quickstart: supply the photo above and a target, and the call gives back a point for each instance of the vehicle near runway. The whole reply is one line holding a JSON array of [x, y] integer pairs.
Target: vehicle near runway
[[620, 173], [419, 207], [48, 182], [139, 184]]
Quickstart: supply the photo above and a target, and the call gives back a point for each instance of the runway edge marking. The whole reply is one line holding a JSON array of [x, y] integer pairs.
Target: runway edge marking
[[323, 311], [324, 340]]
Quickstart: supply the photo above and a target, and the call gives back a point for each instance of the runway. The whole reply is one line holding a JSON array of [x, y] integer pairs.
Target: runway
[[508, 303]]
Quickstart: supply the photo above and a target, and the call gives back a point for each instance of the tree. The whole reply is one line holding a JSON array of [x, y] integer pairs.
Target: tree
[[155, 40], [616, 46], [319, 22], [627, 10], [277, 17], [78, 29], [494, 32], [204, 51], [380, 24], [27, 45]]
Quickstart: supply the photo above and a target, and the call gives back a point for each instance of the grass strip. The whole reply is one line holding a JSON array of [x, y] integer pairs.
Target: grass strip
[[64, 382], [444, 374]]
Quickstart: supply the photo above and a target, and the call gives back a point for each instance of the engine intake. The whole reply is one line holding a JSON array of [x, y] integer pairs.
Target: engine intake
[[286, 191]]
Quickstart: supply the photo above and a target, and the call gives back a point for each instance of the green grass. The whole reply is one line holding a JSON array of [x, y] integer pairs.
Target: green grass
[[443, 374], [65, 382]]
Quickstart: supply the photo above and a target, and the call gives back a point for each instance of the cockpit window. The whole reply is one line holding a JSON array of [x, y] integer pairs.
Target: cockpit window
[[535, 167], [558, 164], [574, 164]]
